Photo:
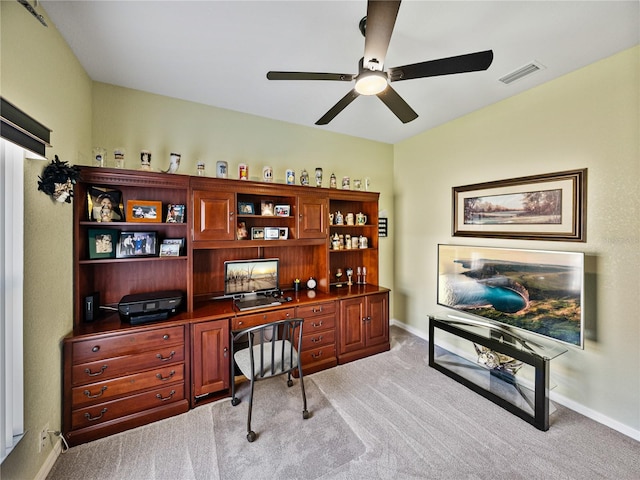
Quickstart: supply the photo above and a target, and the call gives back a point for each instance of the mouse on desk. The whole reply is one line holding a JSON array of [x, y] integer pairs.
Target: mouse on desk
[[289, 299]]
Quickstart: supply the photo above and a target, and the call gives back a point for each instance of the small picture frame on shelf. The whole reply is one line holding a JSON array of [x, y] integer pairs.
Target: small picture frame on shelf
[[246, 208], [169, 250], [257, 233], [242, 233], [105, 204], [144, 211], [175, 213], [271, 233], [137, 244], [282, 210], [102, 243], [175, 241], [266, 208], [283, 233]]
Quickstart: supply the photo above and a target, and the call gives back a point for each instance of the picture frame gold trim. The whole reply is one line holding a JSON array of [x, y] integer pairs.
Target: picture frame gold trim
[[482, 209], [144, 211]]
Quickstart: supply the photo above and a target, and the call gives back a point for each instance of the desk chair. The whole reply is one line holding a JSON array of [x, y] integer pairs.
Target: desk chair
[[270, 353]]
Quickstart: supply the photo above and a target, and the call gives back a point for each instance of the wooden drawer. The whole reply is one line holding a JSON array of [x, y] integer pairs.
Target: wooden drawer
[[318, 339], [113, 367], [309, 311], [320, 354], [103, 412], [246, 321], [109, 389], [130, 343], [319, 324]]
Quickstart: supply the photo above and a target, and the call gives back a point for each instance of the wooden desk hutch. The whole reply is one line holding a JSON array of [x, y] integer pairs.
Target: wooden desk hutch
[[119, 376]]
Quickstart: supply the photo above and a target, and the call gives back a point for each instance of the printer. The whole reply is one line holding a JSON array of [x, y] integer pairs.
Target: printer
[[148, 307]]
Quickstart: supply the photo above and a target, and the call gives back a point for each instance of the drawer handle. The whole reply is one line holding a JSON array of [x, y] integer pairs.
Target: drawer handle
[[317, 355], [316, 310], [164, 359], [94, 374], [316, 325], [316, 340], [93, 419], [164, 379], [165, 336], [96, 349], [164, 399], [102, 390]]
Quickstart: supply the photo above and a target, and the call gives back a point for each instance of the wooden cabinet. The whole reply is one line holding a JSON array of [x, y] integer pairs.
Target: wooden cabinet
[[213, 215], [312, 216], [251, 320], [363, 326], [210, 358], [114, 382], [318, 350]]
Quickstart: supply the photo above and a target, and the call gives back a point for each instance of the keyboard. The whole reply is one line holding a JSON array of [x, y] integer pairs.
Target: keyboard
[[257, 303]]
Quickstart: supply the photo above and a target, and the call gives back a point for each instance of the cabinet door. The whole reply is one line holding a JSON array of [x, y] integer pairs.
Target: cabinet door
[[210, 362], [352, 332], [213, 215], [377, 324], [311, 217]]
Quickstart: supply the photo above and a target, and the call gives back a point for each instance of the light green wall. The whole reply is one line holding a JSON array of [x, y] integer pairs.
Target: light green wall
[[589, 118], [42, 77]]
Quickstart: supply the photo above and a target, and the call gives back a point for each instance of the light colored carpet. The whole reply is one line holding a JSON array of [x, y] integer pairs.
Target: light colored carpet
[[389, 416]]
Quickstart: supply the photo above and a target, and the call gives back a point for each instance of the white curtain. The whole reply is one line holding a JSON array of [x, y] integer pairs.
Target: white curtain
[[11, 307]]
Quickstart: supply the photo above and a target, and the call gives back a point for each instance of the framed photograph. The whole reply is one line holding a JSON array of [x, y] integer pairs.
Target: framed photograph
[[144, 211], [257, 233], [282, 210], [175, 213], [541, 207], [242, 233], [175, 241], [283, 233], [266, 208], [271, 233], [102, 243], [169, 250], [246, 208], [137, 244], [105, 204]]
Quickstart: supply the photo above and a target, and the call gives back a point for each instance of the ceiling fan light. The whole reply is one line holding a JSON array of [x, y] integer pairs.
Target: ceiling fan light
[[371, 83]]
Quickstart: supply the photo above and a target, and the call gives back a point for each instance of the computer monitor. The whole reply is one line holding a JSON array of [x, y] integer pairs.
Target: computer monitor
[[242, 277]]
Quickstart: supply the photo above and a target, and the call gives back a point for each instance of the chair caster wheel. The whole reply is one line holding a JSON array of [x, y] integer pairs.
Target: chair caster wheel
[[289, 383], [305, 414], [235, 401], [251, 436]]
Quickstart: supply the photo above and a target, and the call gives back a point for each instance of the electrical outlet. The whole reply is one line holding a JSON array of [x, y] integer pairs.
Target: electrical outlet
[[43, 438]]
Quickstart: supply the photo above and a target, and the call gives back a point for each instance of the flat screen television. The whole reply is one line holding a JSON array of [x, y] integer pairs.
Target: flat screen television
[[242, 277], [533, 290]]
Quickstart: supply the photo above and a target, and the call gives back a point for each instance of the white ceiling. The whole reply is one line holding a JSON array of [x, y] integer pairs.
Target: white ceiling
[[218, 52]]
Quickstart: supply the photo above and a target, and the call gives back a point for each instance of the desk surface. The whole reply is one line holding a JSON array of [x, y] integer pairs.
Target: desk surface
[[206, 310]]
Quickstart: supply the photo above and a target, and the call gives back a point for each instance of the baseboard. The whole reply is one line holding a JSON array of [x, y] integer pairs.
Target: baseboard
[[555, 397], [50, 461]]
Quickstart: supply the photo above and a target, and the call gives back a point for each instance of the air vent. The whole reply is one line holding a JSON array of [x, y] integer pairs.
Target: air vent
[[522, 72]]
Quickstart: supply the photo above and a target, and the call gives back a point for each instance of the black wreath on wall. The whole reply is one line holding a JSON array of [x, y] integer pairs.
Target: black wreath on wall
[[58, 179]]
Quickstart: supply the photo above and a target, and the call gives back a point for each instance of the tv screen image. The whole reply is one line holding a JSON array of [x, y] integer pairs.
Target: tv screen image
[[534, 290], [250, 276]]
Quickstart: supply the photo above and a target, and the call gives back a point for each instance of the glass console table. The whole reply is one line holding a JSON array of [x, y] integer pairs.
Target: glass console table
[[498, 364]]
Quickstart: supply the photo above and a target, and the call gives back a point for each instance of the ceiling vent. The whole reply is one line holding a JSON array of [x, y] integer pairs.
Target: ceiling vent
[[528, 69]]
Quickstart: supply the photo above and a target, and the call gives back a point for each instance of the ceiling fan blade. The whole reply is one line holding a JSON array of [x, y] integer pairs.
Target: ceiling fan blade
[[381, 18], [471, 62], [341, 77], [397, 105], [338, 107]]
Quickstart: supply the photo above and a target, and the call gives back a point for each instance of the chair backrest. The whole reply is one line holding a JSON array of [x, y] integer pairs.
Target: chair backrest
[[271, 349]]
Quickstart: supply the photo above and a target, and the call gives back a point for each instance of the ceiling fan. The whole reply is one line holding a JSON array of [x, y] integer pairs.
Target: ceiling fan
[[372, 79]]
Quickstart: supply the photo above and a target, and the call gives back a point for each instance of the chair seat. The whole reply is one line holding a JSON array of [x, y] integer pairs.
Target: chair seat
[[243, 359]]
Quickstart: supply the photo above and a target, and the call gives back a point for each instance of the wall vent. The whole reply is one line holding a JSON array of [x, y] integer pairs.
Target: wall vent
[[528, 69]]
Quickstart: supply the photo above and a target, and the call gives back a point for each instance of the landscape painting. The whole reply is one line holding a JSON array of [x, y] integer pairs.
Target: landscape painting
[[534, 290], [542, 207]]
